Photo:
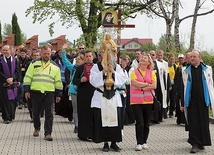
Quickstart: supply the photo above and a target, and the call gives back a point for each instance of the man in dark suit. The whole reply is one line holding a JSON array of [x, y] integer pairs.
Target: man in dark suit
[[10, 77]]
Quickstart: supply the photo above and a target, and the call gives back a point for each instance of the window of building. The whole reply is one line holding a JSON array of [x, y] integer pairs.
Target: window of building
[[136, 46]]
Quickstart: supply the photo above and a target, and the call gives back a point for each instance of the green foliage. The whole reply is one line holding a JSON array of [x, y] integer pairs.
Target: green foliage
[[83, 13], [23, 37], [148, 47], [210, 113], [69, 49], [48, 9], [16, 30], [208, 59], [0, 33], [7, 30], [80, 40], [130, 54], [162, 44]]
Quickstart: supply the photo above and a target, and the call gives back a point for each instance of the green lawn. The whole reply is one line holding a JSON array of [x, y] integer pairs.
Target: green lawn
[[210, 113]]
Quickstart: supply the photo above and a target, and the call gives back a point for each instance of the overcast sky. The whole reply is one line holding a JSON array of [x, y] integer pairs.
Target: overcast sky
[[144, 27]]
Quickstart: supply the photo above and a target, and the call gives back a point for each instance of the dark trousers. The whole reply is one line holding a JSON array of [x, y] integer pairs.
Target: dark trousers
[[8, 110], [41, 100], [20, 95], [123, 99], [172, 95], [142, 113], [30, 107]]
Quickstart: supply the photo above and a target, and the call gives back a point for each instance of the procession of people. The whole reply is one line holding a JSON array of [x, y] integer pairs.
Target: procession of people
[[102, 95]]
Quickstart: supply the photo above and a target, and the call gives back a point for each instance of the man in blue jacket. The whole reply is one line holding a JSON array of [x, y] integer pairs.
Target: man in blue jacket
[[198, 95]]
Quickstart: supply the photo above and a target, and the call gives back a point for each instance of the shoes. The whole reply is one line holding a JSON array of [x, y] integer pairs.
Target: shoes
[[194, 149], [6, 122], [31, 120], [156, 122], [48, 137], [75, 129], [114, 147], [20, 106], [145, 146], [178, 122], [201, 148], [138, 147], [105, 147], [36, 133]]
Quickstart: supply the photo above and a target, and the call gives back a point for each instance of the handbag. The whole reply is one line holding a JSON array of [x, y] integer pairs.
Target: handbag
[[156, 104]]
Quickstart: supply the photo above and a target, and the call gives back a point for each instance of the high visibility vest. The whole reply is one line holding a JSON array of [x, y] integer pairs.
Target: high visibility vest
[[138, 96], [43, 77]]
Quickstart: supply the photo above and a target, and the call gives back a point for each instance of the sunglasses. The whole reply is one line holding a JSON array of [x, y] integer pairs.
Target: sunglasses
[[81, 48], [152, 54]]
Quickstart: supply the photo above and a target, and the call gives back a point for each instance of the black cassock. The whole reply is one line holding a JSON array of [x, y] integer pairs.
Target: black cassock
[[129, 115], [197, 112], [8, 107], [85, 92]]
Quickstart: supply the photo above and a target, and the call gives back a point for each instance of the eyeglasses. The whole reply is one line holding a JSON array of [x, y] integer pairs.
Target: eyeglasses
[[152, 54], [81, 48]]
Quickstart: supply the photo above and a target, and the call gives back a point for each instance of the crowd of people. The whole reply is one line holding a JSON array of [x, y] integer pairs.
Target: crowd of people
[[102, 95]]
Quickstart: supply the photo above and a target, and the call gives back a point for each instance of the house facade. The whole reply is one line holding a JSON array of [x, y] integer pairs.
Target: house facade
[[134, 43]]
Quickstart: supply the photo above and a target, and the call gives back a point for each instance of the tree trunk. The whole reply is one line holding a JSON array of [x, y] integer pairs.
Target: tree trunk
[[169, 21], [192, 37], [89, 26], [176, 26], [168, 36]]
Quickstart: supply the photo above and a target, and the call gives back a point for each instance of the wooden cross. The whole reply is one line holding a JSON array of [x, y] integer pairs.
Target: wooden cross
[[119, 26]]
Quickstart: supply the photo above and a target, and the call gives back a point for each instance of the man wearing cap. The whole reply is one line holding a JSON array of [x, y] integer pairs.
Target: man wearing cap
[[184, 61], [180, 59]]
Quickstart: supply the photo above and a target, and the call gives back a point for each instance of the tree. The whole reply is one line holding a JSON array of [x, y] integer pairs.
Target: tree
[[7, 30], [164, 9], [169, 11], [23, 37], [86, 14], [162, 44], [0, 33], [16, 30], [148, 47], [178, 21]]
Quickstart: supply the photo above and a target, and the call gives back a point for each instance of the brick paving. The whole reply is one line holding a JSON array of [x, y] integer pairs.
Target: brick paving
[[16, 138]]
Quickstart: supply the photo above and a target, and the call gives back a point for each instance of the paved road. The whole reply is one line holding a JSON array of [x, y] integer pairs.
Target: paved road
[[16, 138]]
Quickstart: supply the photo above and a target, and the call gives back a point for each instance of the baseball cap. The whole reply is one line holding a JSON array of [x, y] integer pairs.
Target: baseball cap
[[180, 56]]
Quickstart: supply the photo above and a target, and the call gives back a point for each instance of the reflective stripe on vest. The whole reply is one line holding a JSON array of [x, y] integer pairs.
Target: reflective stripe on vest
[[139, 96], [44, 75]]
